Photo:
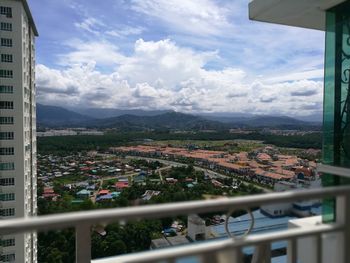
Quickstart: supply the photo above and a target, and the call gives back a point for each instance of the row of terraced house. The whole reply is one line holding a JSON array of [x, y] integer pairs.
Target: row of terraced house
[[265, 165]]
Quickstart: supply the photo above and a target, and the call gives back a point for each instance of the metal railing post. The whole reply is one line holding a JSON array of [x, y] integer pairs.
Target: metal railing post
[[292, 251], [262, 253], [209, 258], [83, 243], [230, 255], [319, 258], [343, 217]]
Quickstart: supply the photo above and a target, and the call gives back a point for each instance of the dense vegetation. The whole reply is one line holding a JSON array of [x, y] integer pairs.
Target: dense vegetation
[[85, 143], [59, 246]]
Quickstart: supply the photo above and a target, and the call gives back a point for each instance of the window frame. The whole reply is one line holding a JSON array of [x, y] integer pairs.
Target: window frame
[[5, 151], [5, 136], [9, 181], [6, 11], [7, 212], [6, 42], [5, 197], [6, 89], [6, 73], [6, 105], [8, 166], [5, 26], [7, 58], [10, 242], [7, 120]]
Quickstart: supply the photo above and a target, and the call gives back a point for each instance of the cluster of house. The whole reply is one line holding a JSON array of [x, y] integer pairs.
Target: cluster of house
[[91, 166], [286, 132], [68, 132], [49, 193], [98, 194], [85, 174], [85, 169], [265, 165], [106, 195]]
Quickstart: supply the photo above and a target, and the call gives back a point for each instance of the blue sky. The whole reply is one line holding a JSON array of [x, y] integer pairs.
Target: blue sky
[[186, 55]]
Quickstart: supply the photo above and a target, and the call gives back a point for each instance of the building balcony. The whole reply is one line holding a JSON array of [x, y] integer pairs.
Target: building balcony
[[309, 239]]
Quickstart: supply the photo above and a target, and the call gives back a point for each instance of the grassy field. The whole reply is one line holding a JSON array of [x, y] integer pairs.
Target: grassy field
[[109, 182], [69, 179]]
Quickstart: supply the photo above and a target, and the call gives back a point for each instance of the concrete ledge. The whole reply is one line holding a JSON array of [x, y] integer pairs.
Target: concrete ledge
[[299, 13]]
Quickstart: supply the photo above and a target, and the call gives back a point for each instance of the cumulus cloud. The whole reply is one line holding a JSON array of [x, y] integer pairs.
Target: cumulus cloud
[[163, 75], [199, 17], [94, 52], [163, 63], [55, 81]]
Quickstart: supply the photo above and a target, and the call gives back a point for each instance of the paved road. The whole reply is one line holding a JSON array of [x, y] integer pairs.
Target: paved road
[[211, 173]]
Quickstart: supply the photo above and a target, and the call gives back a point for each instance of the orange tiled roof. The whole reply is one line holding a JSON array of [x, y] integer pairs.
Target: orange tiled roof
[[227, 160], [304, 170], [263, 157]]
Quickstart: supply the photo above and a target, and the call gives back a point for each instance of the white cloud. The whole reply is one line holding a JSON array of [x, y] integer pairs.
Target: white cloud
[[91, 25], [200, 17], [163, 62], [125, 31], [100, 52], [163, 75], [294, 76]]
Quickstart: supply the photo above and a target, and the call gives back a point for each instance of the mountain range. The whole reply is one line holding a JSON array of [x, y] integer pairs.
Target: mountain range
[[57, 116], [128, 120], [99, 113]]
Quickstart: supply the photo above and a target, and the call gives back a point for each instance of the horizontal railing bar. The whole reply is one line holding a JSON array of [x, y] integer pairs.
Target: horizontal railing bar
[[220, 245], [335, 170], [66, 220]]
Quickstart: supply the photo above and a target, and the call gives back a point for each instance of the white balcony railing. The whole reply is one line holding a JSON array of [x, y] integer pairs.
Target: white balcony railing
[[223, 250]]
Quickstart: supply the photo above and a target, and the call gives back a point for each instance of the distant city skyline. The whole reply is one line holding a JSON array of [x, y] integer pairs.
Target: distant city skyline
[[190, 56]]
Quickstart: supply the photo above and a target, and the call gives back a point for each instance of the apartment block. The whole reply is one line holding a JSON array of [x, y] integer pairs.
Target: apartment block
[[17, 126]]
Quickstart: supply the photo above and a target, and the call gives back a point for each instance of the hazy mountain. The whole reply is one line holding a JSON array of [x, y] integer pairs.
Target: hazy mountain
[[101, 113], [239, 117], [169, 120], [226, 116], [223, 119], [271, 121], [262, 121], [316, 117], [57, 116]]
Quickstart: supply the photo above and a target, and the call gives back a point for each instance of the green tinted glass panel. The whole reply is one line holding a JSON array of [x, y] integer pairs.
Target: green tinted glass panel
[[336, 121]]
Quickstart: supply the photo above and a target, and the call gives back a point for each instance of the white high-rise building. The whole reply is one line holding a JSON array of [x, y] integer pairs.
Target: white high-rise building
[[17, 126]]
